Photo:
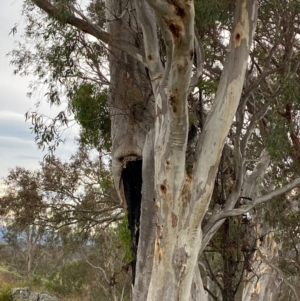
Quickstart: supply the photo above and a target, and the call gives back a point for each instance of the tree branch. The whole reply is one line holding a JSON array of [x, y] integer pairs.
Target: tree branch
[[262, 77], [257, 201], [224, 108], [146, 15], [88, 27], [162, 7], [256, 118]]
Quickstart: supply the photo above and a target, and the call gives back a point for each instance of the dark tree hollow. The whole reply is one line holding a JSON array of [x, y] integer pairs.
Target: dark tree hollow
[[132, 184]]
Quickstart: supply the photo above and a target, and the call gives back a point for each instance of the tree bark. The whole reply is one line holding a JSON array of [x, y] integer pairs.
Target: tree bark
[[262, 282], [147, 227], [131, 110]]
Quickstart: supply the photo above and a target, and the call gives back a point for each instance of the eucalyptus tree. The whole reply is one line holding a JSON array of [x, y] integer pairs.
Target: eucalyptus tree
[[190, 136], [23, 236], [77, 194], [61, 213]]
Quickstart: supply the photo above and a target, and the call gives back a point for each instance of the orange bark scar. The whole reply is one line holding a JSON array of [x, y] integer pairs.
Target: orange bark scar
[[238, 35], [172, 102], [175, 29], [163, 187], [186, 191], [174, 219]]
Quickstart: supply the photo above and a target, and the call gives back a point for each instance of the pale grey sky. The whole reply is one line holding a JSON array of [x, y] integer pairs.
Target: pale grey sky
[[17, 145]]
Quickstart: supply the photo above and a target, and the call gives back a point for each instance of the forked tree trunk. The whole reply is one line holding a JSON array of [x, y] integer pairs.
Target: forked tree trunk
[[180, 200], [174, 203]]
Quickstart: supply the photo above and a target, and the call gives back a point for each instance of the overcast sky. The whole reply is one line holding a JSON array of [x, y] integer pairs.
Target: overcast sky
[[17, 145]]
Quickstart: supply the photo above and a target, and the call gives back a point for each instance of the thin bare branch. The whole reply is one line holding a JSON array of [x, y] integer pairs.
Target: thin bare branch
[[262, 77], [256, 118], [267, 197]]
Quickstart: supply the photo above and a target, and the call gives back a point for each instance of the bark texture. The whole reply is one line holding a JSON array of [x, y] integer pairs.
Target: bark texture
[[131, 105]]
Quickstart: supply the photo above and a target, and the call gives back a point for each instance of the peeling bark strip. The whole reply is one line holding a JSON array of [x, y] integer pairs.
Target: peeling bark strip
[[132, 183]]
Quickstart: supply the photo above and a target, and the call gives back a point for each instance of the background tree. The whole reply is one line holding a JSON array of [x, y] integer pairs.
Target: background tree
[[62, 228]]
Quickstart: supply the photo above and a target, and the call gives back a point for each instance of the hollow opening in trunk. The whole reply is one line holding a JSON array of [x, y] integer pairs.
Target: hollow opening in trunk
[[132, 184]]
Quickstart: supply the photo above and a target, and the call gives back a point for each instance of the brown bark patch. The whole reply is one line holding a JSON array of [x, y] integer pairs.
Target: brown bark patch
[[186, 191], [163, 188], [175, 30], [238, 35], [172, 102], [180, 67], [179, 11], [174, 219], [175, 24], [150, 57], [160, 254], [158, 251]]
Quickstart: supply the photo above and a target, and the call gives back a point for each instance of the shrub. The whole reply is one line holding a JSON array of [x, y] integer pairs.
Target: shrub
[[5, 293]]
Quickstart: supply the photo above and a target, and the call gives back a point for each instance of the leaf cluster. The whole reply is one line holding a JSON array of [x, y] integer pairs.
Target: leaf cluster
[[91, 111], [66, 63], [125, 238]]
